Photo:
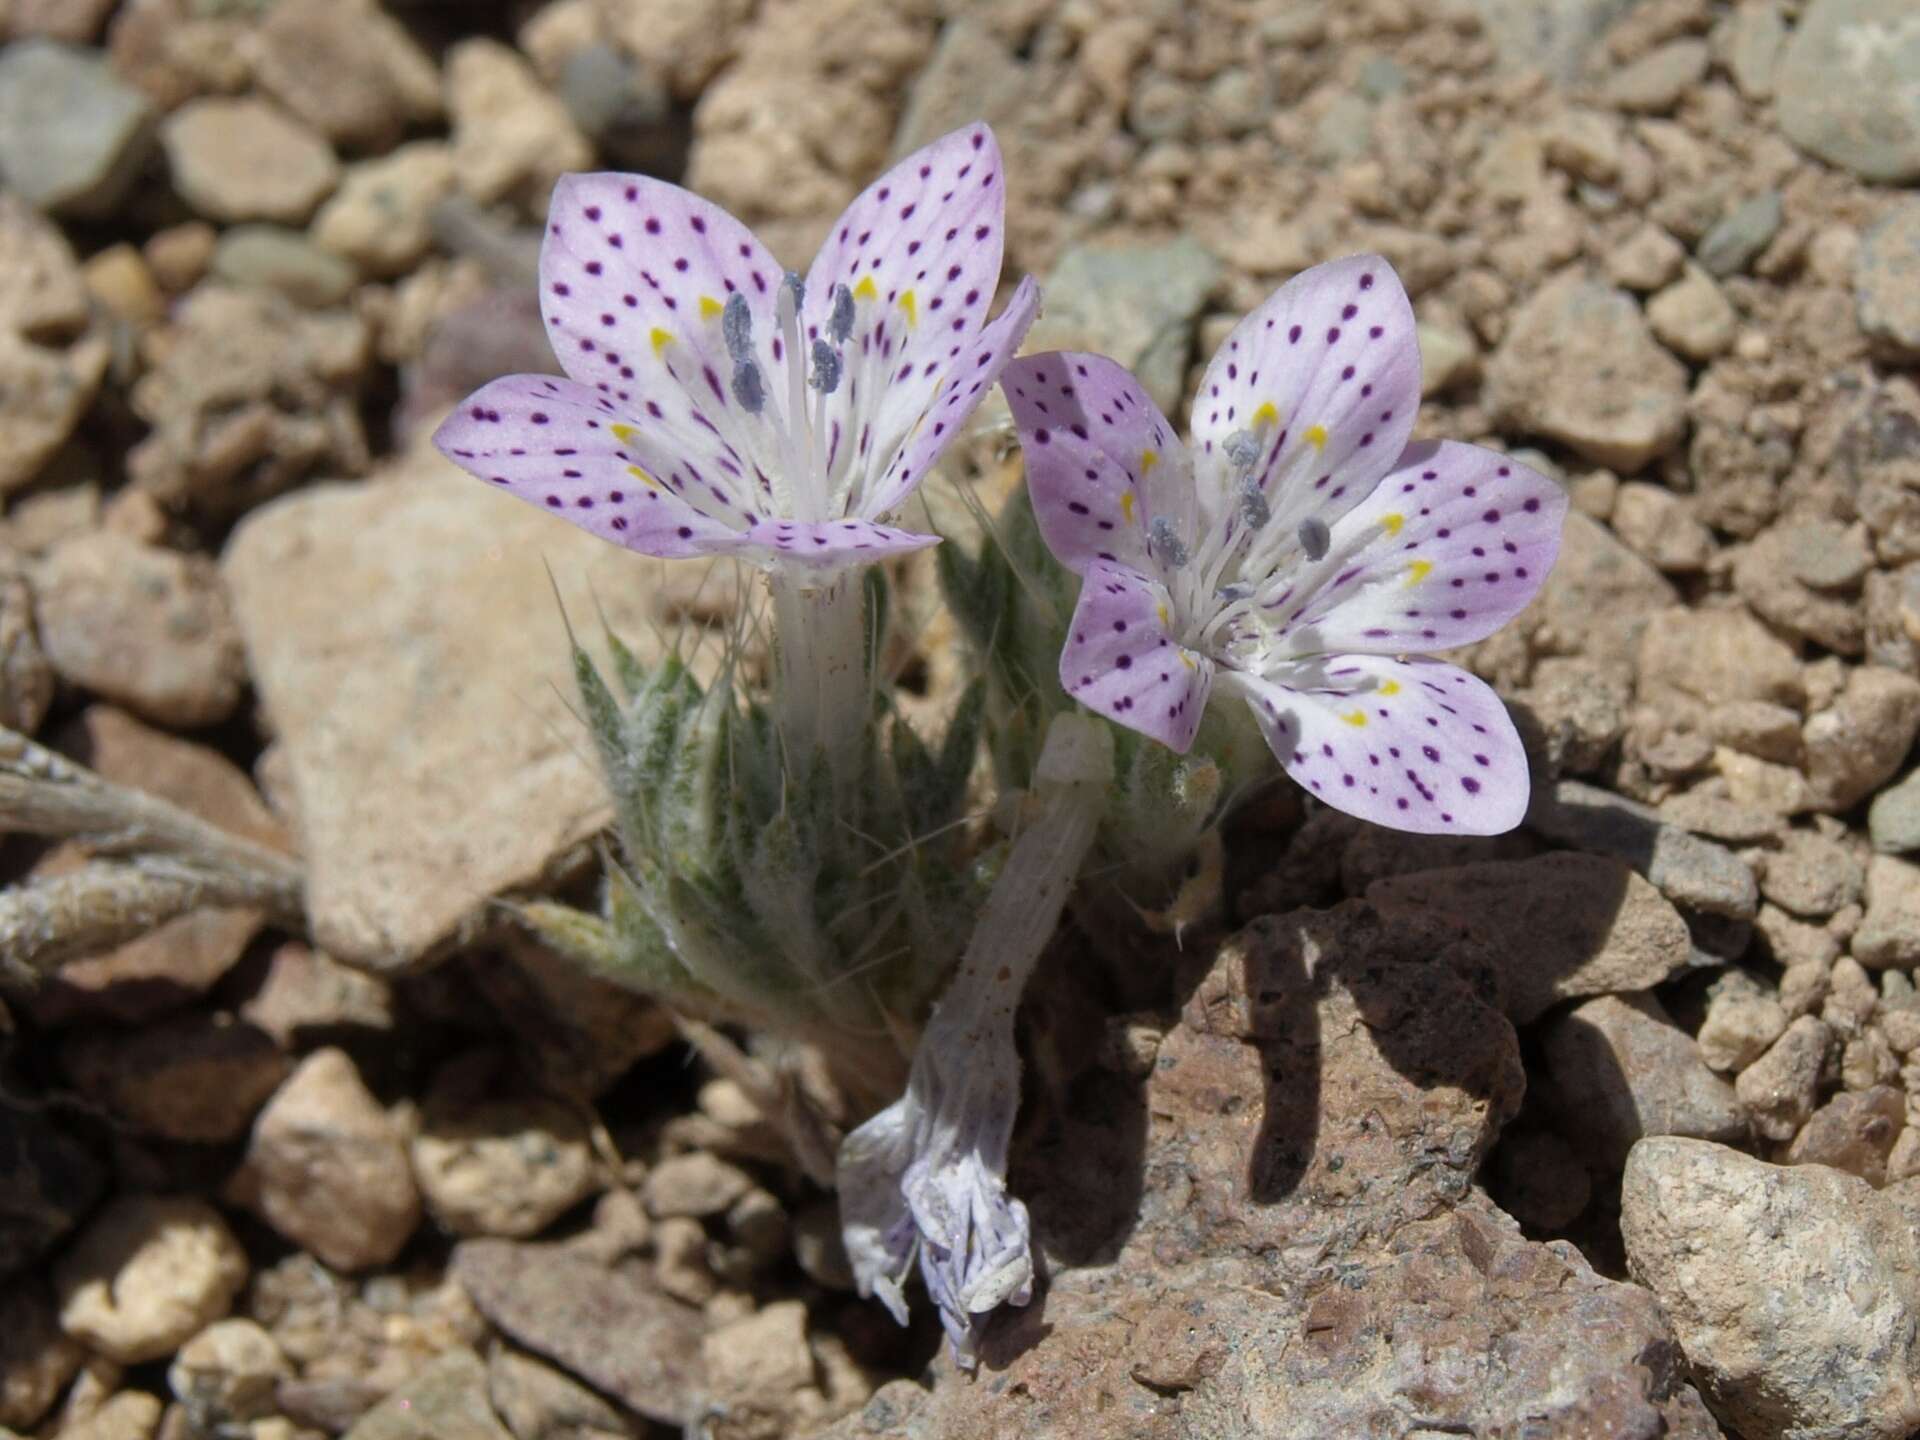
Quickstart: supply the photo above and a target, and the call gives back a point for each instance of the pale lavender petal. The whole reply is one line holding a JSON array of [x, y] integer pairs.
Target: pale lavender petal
[[558, 445], [1450, 547], [828, 545], [1120, 661], [634, 277], [919, 251], [963, 389], [1412, 744], [1325, 376], [1102, 461], [976, 1251], [876, 1218]]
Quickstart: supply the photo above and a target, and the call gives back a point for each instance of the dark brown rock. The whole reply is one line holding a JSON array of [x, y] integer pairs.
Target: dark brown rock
[[193, 1078], [1555, 927], [577, 1033], [447, 1398], [610, 1328], [48, 1180], [1853, 1132], [36, 1359], [1618, 1068]]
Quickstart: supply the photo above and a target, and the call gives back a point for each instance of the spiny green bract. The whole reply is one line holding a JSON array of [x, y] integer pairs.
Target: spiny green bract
[[738, 891]]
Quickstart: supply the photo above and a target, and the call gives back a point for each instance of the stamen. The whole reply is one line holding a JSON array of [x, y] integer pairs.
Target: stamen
[[796, 436], [794, 283], [1254, 508], [826, 368], [1243, 449], [840, 324], [1167, 545], [1236, 591], [747, 386], [736, 324], [1315, 537]]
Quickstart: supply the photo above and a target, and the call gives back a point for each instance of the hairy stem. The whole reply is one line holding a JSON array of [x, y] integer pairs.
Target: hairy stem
[[43, 793], [46, 923], [183, 863]]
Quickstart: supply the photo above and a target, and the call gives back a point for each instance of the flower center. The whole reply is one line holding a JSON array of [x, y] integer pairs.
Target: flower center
[[1238, 592], [799, 428]]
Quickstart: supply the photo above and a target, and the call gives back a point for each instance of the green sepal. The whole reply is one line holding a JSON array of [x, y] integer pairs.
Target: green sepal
[[933, 787], [628, 671], [587, 940]]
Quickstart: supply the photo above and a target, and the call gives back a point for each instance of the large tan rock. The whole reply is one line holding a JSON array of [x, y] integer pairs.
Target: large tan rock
[[327, 1168], [1795, 1292], [409, 648], [1780, 1087], [1580, 366], [1889, 933], [148, 1272], [497, 1164], [1856, 745], [382, 216], [244, 159], [508, 131], [144, 627], [1692, 660], [347, 68]]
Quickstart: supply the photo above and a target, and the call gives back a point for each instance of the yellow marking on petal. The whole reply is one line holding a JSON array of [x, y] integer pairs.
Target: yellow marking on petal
[[907, 303], [1165, 619], [661, 339], [710, 307], [625, 434], [1266, 415], [1126, 507], [1418, 571], [866, 290], [1148, 459], [642, 476], [1388, 687], [1317, 436], [1357, 719], [1187, 660], [1392, 522]]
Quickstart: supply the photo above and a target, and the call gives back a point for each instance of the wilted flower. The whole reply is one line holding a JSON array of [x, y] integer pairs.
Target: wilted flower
[[717, 406], [924, 1181], [1296, 554]]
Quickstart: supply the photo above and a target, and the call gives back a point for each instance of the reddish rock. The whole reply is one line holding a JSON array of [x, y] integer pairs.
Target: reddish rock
[[1308, 1256]]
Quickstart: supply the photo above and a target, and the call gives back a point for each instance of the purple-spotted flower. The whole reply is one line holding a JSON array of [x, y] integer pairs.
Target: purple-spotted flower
[[715, 405], [1296, 554]]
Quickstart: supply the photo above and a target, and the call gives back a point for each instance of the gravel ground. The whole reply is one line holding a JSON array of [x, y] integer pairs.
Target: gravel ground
[[1607, 1126]]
